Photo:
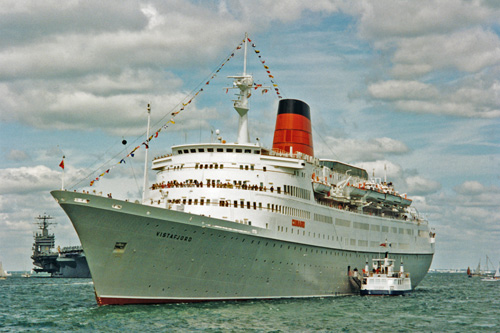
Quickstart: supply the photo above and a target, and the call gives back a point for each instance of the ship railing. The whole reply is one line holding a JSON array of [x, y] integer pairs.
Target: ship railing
[[416, 219], [190, 184], [298, 155], [245, 186], [72, 248]]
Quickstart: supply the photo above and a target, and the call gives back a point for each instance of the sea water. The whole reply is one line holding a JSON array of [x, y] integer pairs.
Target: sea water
[[442, 302]]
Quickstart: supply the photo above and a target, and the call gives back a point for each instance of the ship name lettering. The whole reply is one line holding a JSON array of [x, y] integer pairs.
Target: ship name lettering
[[173, 236]]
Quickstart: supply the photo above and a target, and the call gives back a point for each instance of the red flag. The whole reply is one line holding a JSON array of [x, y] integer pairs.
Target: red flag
[[383, 244], [62, 164]]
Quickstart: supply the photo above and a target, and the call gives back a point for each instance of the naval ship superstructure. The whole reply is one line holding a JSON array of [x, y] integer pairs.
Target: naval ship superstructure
[[66, 262], [237, 221]]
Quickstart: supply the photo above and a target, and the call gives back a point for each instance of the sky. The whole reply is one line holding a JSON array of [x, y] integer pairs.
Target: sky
[[410, 85]]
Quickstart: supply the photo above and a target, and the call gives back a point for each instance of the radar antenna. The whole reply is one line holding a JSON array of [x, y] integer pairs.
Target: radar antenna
[[245, 83]]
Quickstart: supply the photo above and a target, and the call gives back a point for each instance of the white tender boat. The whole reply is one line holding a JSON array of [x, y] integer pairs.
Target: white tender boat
[[382, 280]]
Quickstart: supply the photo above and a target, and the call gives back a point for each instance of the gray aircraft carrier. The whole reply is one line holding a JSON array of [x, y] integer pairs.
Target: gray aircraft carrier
[[66, 262]]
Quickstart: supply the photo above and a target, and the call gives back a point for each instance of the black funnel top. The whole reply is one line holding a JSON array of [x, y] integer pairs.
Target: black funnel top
[[294, 106]]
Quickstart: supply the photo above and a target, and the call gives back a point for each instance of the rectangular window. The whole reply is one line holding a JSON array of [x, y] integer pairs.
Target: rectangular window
[[120, 245], [343, 223]]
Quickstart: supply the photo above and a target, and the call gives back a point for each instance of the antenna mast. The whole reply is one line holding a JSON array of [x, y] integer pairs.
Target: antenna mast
[[245, 84], [144, 189]]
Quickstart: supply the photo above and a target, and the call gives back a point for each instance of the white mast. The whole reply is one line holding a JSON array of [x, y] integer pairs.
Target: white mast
[[244, 83], [62, 176], [144, 189]]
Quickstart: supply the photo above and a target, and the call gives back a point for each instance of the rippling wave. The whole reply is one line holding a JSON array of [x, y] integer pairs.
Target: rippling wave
[[442, 302]]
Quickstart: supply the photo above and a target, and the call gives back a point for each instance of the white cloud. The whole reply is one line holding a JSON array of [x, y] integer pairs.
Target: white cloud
[[402, 90], [17, 155], [354, 150], [470, 187], [419, 185], [154, 18], [478, 99], [467, 224], [423, 44], [28, 180], [467, 51], [473, 194], [388, 19]]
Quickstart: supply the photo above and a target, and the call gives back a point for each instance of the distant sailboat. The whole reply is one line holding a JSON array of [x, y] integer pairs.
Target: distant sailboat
[[495, 277], [477, 272], [482, 272], [3, 274]]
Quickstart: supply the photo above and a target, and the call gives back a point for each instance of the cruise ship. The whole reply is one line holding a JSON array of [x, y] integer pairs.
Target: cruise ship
[[238, 221]]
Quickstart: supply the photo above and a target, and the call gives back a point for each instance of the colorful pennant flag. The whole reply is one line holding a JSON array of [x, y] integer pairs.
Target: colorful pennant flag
[[184, 104]]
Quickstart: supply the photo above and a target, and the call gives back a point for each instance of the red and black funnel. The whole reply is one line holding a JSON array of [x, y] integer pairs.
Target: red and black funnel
[[293, 128]]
